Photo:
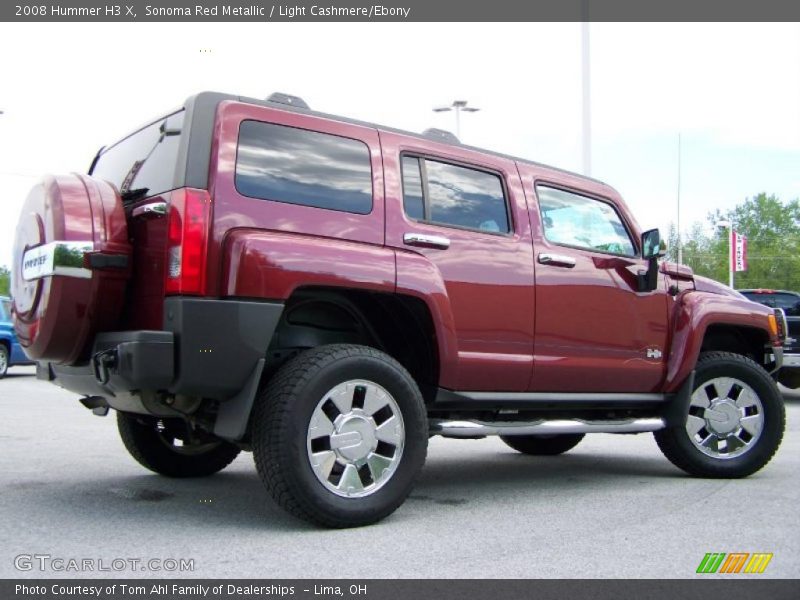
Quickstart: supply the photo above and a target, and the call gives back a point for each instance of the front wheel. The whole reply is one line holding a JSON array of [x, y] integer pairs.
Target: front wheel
[[733, 423], [340, 435], [169, 447]]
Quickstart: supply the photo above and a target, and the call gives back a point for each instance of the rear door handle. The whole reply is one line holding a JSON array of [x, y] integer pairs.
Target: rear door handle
[[557, 260], [427, 241], [151, 209]]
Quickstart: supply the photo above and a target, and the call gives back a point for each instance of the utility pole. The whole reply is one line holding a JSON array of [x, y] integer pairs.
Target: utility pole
[[586, 72], [680, 241]]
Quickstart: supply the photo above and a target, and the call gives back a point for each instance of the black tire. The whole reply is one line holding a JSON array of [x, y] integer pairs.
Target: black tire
[[282, 429], [677, 445], [151, 441], [4, 358], [543, 445]]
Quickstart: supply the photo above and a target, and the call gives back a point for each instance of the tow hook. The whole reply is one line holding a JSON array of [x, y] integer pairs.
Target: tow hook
[[97, 404], [102, 364]]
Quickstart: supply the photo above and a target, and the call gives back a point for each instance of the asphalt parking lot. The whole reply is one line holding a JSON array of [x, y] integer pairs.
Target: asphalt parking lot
[[612, 507]]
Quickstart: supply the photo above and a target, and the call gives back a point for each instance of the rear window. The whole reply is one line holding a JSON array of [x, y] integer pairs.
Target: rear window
[[143, 162], [297, 166]]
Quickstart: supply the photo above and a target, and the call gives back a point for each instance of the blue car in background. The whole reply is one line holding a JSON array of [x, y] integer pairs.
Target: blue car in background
[[10, 351]]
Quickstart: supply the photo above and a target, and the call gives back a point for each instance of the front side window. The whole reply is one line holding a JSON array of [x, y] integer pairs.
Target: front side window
[[448, 194], [297, 166], [574, 220]]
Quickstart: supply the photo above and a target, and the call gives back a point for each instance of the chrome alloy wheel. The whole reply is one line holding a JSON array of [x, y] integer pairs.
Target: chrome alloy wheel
[[355, 438], [725, 419]]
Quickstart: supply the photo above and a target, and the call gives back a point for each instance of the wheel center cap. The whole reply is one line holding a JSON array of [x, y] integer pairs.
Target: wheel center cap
[[354, 438], [722, 417]]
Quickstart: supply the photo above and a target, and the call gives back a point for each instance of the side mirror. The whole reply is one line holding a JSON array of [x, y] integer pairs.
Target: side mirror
[[652, 249], [651, 244]]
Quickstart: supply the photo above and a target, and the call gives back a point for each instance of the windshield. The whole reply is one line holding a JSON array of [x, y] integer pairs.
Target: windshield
[[143, 164]]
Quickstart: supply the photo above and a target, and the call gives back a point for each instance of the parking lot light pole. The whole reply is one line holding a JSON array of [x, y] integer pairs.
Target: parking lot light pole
[[458, 106], [731, 266]]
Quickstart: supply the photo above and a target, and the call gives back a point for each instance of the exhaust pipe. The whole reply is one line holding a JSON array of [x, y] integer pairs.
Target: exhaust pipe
[[469, 429]]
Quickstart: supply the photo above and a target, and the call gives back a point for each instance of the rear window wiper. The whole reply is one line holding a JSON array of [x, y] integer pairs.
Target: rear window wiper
[[130, 196]]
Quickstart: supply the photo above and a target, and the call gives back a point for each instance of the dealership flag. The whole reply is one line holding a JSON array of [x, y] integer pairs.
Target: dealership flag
[[739, 249]]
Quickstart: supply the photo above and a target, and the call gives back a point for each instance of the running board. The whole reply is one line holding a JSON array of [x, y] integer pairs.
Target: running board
[[469, 429]]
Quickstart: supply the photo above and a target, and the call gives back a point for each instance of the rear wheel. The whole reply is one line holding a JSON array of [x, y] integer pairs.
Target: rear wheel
[[543, 445], [733, 423], [339, 435], [171, 448]]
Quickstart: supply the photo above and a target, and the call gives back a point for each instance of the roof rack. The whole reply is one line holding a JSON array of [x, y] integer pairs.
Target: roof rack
[[440, 135], [288, 99]]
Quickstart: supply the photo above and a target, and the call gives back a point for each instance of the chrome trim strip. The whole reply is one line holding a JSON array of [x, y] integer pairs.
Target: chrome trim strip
[[154, 209], [557, 260], [57, 258], [423, 239], [599, 397], [465, 428]]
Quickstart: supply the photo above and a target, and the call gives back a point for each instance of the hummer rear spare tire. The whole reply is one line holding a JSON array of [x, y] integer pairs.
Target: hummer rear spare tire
[[70, 267]]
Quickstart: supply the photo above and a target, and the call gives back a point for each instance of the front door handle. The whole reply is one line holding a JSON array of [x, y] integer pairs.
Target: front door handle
[[425, 240], [557, 260]]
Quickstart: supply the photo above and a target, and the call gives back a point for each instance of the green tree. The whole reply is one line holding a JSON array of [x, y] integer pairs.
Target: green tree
[[672, 243], [5, 281], [772, 229]]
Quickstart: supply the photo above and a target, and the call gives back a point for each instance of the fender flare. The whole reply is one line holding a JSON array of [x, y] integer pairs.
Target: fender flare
[[693, 314]]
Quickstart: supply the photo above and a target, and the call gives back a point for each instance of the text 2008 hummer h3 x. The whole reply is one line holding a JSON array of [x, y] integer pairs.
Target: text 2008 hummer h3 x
[[246, 274]]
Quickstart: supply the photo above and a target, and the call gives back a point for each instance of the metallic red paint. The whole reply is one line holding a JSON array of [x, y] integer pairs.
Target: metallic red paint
[[56, 316]]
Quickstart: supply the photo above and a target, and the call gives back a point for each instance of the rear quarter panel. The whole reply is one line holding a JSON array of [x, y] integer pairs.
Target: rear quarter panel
[[318, 232]]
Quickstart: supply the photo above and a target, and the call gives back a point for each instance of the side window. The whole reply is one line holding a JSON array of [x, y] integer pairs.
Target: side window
[[575, 220], [5, 310], [448, 194], [413, 201], [297, 166]]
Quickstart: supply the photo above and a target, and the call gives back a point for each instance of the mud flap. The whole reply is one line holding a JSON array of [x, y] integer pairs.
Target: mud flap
[[676, 411], [234, 413]]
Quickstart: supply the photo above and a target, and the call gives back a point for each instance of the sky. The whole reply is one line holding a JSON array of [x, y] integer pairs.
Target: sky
[[731, 91]]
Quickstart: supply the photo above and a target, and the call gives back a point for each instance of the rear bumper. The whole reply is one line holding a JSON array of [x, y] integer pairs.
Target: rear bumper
[[208, 348]]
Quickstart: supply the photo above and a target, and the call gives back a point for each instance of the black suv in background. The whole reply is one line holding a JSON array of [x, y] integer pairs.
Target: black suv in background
[[789, 302]]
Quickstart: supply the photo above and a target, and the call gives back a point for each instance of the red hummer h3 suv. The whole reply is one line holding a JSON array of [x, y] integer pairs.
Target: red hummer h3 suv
[[327, 293]]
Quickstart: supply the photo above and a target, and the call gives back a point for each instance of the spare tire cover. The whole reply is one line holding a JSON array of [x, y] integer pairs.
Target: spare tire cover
[[58, 301]]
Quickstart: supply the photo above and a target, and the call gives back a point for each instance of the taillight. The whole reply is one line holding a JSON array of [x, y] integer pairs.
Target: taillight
[[187, 239]]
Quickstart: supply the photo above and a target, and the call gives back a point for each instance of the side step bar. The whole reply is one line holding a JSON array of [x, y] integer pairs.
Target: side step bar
[[469, 429]]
